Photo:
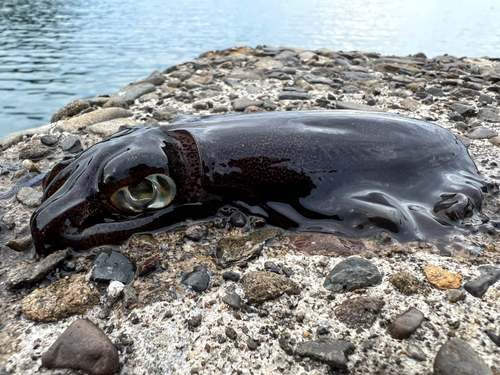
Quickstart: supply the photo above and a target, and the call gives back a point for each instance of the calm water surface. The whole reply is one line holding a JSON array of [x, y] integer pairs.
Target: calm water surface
[[55, 51]]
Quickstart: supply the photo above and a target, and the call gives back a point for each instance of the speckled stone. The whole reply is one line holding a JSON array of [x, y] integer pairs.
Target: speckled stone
[[63, 298], [489, 276], [332, 352], [260, 286], [456, 357], [29, 196], [405, 324], [92, 118], [70, 110], [359, 312], [408, 284], [442, 279], [351, 274]]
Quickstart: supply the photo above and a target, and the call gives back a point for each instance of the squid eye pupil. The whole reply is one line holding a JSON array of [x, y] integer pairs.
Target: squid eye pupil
[[142, 191]]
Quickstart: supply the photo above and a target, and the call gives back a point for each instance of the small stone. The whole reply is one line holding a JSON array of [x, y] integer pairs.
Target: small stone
[[351, 274], [92, 118], [489, 115], [107, 128], [130, 296], [232, 300], [29, 196], [405, 324], [198, 279], [61, 299], [35, 151], [356, 107], [455, 116], [241, 104], [147, 266], [288, 271], [70, 110], [495, 141], [49, 139], [231, 333], [332, 352], [455, 295], [83, 346], [485, 99], [489, 275], [481, 132], [269, 104], [463, 109], [115, 103], [359, 312], [195, 321], [252, 344], [72, 145], [442, 279], [20, 244], [456, 357], [271, 267], [408, 284], [293, 95], [115, 289], [112, 265], [219, 109], [27, 274], [230, 275], [327, 244], [195, 232], [200, 105], [410, 105], [260, 286], [322, 330], [493, 337], [435, 91], [238, 219], [134, 91], [414, 351]]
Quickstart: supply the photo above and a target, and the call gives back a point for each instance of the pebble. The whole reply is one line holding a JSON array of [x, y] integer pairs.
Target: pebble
[[241, 104], [130, 296], [231, 333], [49, 139], [332, 352], [271, 267], [134, 91], [115, 103], [351, 274], [20, 244], [232, 276], [456, 357], [72, 145], [83, 346], [233, 300], [481, 132], [92, 118], [195, 232], [112, 265], [463, 109], [61, 299], [115, 289], [414, 351], [405, 324], [293, 95], [435, 91], [489, 275], [238, 219], [442, 279], [147, 266], [493, 337], [70, 110], [252, 344], [359, 312], [107, 128], [35, 151], [489, 115], [30, 273], [408, 284], [455, 295], [356, 107], [198, 279], [29, 196], [261, 286]]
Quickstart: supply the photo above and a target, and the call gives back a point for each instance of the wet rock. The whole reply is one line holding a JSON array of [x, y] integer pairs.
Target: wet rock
[[442, 279], [27, 274], [20, 244], [489, 115], [241, 104], [233, 300], [107, 128], [195, 232], [29, 196], [481, 132], [112, 265], [293, 95], [115, 103], [35, 151], [408, 284], [489, 275], [230, 275], [405, 324], [357, 107], [359, 312], [456, 357], [64, 297], [327, 244], [493, 337], [92, 118], [332, 352], [49, 139], [414, 351], [260, 286], [147, 266], [132, 92], [198, 279], [455, 295], [72, 145], [239, 250], [238, 219], [351, 274], [83, 346], [70, 110]]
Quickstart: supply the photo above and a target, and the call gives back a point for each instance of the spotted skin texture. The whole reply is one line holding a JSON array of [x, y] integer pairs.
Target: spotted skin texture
[[341, 172]]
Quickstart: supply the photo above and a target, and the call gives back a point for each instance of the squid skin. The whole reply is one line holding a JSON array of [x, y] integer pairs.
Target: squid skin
[[343, 172]]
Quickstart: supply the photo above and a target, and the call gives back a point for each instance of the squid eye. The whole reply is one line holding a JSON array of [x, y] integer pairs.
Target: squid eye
[[155, 191]]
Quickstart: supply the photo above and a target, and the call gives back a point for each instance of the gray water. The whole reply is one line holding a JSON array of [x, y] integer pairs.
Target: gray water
[[55, 51]]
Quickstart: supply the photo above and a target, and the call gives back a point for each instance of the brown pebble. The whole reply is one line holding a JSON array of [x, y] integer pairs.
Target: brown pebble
[[442, 279], [405, 324]]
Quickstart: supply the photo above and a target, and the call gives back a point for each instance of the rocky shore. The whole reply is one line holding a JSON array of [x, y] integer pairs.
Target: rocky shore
[[235, 296]]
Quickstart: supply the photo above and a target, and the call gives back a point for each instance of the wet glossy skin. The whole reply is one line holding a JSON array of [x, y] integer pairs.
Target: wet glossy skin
[[343, 172]]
